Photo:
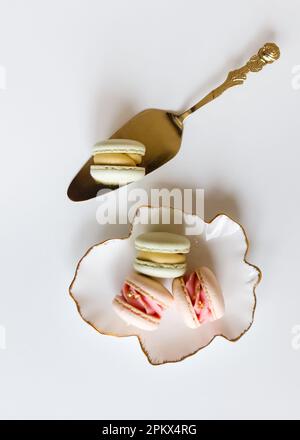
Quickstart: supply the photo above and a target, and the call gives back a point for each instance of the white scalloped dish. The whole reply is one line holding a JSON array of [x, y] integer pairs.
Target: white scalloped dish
[[220, 245]]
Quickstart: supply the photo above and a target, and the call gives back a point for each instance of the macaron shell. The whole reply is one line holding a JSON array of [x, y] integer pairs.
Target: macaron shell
[[159, 270], [116, 175], [184, 303], [162, 242], [212, 290], [134, 316], [149, 287], [119, 146]]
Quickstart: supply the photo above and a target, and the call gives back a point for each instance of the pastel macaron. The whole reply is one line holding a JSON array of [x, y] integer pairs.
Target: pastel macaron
[[161, 254], [142, 302], [199, 297], [117, 161]]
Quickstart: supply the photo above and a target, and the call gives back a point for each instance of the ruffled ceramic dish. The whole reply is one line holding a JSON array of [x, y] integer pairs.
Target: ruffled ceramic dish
[[220, 244]]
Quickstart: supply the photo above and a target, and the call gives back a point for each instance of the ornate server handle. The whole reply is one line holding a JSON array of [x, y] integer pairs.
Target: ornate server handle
[[266, 55]]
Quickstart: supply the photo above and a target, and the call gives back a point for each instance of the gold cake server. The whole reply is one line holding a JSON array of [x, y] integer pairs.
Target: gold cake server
[[161, 131]]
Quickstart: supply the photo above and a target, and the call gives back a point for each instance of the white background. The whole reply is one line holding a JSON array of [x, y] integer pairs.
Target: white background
[[76, 71]]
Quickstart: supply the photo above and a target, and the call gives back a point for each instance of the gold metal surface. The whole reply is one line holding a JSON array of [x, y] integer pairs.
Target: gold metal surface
[[161, 131], [266, 55]]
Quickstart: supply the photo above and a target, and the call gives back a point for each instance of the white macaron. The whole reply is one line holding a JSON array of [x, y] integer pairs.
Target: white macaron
[[116, 161]]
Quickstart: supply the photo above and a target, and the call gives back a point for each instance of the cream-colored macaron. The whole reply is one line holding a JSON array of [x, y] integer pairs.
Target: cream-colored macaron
[[161, 254], [199, 297], [116, 161], [142, 301]]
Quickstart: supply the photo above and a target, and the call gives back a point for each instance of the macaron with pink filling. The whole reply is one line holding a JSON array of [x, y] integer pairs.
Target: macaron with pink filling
[[142, 302], [199, 297]]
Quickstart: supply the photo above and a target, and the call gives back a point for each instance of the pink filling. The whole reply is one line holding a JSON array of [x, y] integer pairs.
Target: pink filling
[[198, 297], [141, 302]]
